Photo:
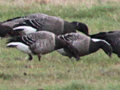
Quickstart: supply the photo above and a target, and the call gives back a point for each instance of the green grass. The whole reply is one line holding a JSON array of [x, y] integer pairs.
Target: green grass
[[55, 72]]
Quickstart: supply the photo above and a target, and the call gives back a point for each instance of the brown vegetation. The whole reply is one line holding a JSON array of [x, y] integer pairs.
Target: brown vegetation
[[57, 2]]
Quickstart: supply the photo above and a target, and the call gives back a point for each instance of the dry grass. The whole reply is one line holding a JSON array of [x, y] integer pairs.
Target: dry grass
[[56, 2]]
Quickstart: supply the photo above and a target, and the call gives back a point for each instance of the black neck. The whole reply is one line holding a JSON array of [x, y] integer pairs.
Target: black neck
[[68, 27]]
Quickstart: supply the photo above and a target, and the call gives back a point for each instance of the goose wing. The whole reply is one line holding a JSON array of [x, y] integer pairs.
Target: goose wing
[[71, 37], [40, 42], [42, 46]]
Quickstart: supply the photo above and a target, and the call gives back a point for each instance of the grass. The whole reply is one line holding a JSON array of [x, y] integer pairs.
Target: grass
[[55, 72]]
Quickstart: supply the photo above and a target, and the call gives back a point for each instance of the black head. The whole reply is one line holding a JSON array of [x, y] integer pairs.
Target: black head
[[68, 27], [82, 27]]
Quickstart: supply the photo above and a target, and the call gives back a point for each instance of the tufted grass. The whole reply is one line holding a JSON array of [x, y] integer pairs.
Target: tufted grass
[[55, 72]]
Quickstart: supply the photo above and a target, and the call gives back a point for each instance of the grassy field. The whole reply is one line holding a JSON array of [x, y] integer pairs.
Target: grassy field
[[55, 72]]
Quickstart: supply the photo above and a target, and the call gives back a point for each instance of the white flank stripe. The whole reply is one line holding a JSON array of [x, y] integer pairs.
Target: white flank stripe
[[20, 46], [26, 29], [97, 40]]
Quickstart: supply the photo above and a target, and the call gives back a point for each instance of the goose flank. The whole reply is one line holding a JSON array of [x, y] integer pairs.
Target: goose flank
[[41, 42]]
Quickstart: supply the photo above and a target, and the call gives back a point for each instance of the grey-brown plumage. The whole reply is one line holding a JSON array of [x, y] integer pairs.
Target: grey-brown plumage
[[41, 42], [47, 23], [18, 20], [44, 22], [113, 37], [84, 44]]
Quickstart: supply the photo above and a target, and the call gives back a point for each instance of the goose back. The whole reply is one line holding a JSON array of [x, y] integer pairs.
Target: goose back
[[18, 20], [36, 15], [49, 23], [13, 22]]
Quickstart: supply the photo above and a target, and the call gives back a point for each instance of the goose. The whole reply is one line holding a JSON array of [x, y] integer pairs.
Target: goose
[[112, 37], [84, 44], [40, 43], [43, 22]]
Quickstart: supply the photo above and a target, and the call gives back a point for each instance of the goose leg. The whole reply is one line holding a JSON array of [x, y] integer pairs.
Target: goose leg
[[30, 57], [78, 58], [70, 56], [39, 57]]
